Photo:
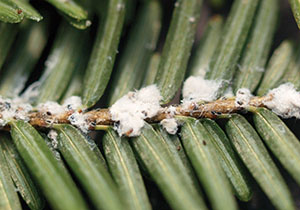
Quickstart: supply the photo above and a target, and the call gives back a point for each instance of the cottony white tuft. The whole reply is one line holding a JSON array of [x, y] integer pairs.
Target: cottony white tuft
[[73, 103], [196, 89], [53, 136], [50, 106], [170, 124], [79, 120], [131, 110], [285, 101], [171, 111], [13, 109], [243, 97]]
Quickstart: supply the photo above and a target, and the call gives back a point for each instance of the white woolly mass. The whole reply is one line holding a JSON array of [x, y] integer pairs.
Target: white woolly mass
[[79, 120], [196, 89], [73, 103], [285, 101], [131, 110], [21, 111], [170, 125], [171, 111], [50, 106], [53, 136], [13, 109], [243, 97]]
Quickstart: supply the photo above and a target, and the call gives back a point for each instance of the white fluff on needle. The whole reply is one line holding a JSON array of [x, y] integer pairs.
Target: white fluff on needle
[[80, 121], [131, 110], [243, 97], [53, 136], [170, 125], [13, 109], [72, 103], [51, 106], [285, 101], [196, 89]]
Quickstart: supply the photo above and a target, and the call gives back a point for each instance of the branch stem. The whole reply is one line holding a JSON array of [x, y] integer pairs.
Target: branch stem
[[101, 118]]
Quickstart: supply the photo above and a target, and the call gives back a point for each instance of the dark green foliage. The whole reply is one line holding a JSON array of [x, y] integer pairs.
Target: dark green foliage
[[88, 167], [104, 53], [20, 174], [253, 61], [55, 183], [234, 37], [176, 52], [200, 150], [255, 156]]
